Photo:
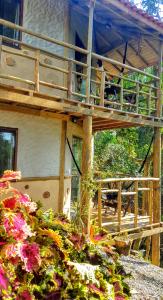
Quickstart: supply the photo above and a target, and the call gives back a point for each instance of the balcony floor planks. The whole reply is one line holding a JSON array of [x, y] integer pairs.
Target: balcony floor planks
[[103, 118]]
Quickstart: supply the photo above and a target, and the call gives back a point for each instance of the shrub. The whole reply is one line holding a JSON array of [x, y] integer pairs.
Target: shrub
[[42, 256]]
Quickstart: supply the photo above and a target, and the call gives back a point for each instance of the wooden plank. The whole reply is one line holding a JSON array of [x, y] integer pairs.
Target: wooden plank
[[15, 78], [145, 233], [54, 86], [62, 167], [128, 179], [32, 111], [54, 68]]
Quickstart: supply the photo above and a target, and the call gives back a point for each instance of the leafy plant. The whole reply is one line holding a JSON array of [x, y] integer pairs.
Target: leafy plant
[[43, 256]]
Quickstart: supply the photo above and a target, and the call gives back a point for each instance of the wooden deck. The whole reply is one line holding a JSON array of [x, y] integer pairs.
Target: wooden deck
[[110, 220], [41, 82], [134, 200]]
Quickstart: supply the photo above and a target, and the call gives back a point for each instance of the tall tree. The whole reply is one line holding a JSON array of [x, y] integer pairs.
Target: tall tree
[[152, 7]]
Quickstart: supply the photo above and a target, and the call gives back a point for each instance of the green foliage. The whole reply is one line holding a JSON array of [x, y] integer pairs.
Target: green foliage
[[44, 256], [121, 151], [152, 7]]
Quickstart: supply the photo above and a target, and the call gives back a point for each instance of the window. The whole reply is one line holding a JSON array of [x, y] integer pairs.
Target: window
[[75, 183], [8, 149], [11, 10]]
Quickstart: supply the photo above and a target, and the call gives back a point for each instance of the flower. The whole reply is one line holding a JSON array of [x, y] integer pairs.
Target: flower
[[30, 255], [3, 279], [24, 296], [4, 185], [10, 175], [16, 226], [10, 203], [26, 201]]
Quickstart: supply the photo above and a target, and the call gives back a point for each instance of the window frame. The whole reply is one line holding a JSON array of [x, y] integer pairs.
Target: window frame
[[13, 44], [15, 132]]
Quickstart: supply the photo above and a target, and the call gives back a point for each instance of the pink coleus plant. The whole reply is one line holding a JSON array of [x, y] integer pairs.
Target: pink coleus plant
[[30, 255], [16, 227]]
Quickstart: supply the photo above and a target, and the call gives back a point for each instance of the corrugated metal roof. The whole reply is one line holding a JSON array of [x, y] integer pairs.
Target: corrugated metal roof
[[141, 12]]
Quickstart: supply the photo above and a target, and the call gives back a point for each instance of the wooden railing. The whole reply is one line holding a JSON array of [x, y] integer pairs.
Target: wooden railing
[[145, 94], [132, 95], [136, 191]]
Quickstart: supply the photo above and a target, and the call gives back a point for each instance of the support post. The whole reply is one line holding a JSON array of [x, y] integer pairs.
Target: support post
[[62, 167], [37, 64], [99, 207], [89, 48], [157, 170], [86, 173]]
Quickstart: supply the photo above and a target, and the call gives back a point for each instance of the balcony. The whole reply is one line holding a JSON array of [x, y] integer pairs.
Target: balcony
[[36, 74], [127, 206]]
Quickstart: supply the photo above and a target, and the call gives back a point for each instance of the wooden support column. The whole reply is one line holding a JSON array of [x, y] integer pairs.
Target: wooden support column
[[87, 154], [157, 173], [89, 48], [62, 166]]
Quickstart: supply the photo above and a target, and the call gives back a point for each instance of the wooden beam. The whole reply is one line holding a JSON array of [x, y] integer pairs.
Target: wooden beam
[[139, 55], [86, 173], [89, 49], [42, 101], [157, 170], [32, 111], [124, 8], [62, 167], [152, 47]]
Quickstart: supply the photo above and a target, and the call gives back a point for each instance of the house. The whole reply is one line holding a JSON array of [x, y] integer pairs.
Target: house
[[64, 66]]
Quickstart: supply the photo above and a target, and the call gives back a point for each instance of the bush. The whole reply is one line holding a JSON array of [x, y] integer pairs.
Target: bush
[[42, 256]]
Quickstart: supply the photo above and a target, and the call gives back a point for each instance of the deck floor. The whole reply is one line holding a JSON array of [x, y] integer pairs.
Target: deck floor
[[110, 220]]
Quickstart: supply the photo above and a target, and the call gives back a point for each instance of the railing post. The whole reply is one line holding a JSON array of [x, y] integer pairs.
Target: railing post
[[150, 202], [121, 94], [69, 79], [159, 83], [89, 48], [1, 41], [99, 206], [136, 204], [37, 64], [149, 101], [102, 89], [137, 97], [119, 204]]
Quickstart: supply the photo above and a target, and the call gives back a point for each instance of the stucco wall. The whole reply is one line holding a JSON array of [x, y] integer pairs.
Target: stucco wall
[[38, 156], [46, 17], [38, 143]]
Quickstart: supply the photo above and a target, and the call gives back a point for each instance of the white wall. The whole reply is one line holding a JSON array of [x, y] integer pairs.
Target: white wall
[[46, 17], [38, 143]]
